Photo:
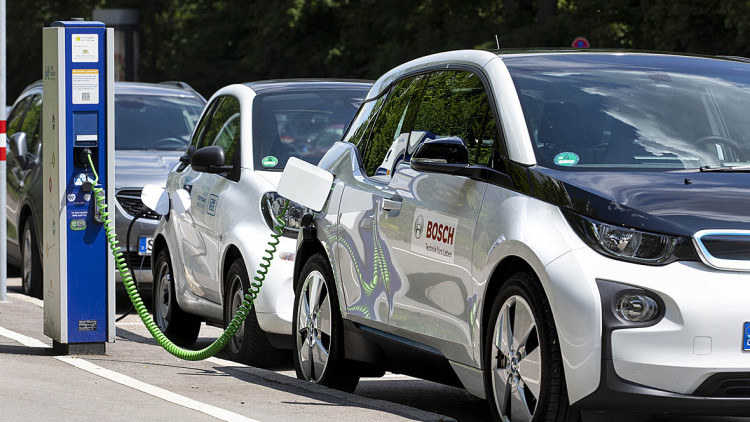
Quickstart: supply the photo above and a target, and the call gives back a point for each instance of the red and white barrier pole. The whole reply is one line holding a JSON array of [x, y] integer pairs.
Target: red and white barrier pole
[[3, 144]]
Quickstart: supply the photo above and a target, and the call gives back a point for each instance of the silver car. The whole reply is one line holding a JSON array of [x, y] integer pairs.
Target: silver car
[[563, 233], [153, 123]]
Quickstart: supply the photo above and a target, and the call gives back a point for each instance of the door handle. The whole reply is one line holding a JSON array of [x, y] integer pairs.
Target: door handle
[[392, 203]]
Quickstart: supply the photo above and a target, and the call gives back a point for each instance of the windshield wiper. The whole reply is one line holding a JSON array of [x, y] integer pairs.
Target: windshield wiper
[[738, 169]]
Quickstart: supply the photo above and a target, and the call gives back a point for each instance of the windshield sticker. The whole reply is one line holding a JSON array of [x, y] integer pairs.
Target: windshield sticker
[[566, 159], [433, 235], [269, 161]]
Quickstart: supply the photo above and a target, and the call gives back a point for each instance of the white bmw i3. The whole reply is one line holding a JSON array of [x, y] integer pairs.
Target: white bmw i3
[[562, 232], [203, 259]]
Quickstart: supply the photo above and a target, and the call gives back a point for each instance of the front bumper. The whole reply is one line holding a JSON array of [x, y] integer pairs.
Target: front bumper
[[681, 363]]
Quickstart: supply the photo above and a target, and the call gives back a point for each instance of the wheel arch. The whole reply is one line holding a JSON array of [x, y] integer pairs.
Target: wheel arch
[[306, 249], [231, 253], [160, 242], [503, 270]]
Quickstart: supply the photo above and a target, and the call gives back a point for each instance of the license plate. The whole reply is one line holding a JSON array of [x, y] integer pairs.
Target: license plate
[[746, 337], [144, 245]]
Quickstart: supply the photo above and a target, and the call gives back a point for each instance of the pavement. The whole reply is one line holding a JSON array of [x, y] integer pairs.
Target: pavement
[[137, 379]]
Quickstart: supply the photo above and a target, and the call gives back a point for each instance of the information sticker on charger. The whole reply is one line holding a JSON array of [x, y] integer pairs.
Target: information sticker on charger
[[746, 337]]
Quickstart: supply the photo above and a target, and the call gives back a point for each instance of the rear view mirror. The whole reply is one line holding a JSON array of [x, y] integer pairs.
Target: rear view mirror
[[442, 155], [17, 146], [209, 160]]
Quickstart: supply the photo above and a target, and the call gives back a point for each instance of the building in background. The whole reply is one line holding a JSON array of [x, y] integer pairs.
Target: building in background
[[125, 23]]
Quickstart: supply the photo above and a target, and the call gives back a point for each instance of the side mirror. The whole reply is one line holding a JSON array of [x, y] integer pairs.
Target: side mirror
[[442, 155], [209, 160], [17, 146]]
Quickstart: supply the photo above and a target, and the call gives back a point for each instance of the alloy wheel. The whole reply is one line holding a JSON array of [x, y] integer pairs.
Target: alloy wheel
[[27, 267], [314, 326], [516, 365], [163, 297], [235, 343]]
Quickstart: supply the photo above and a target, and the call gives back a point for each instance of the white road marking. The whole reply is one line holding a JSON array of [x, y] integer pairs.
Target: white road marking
[[35, 301], [133, 383], [292, 374]]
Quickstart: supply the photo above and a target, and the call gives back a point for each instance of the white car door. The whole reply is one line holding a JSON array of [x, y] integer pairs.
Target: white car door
[[201, 227]]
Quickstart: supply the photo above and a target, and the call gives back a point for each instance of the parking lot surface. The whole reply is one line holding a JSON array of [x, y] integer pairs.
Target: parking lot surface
[[137, 380]]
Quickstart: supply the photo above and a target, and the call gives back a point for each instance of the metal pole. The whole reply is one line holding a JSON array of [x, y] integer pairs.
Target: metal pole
[[3, 143]]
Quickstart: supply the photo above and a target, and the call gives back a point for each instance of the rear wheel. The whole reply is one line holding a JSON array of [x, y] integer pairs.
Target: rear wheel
[[250, 344], [524, 376], [31, 281], [180, 327], [319, 329]]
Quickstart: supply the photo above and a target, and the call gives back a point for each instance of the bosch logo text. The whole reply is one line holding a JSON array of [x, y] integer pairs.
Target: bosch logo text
[[440, 232]]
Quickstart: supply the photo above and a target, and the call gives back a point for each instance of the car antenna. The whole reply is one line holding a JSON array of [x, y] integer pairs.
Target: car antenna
[[497, 41]]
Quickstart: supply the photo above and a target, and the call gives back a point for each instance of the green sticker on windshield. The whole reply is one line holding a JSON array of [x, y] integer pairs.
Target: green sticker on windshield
[[566, 159], [271, 161]]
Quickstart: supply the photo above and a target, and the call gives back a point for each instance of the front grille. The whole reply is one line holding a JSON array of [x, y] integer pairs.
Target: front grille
[[130, 201], [138, 262], [725, 385], [724, 249]]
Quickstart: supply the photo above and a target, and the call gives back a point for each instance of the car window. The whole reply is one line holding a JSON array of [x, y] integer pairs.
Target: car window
[[31, 124], [224, 128], [391, 128], [15, 120], [200, 130], [362, 123], [301, 123], [155, 122], [455, 104]]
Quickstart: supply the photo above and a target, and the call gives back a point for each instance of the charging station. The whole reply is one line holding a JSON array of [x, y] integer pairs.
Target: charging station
[[77, 121]]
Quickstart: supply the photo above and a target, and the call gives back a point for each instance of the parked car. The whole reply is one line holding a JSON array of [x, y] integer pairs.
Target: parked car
[[204, 259], [153, 123], [573, 239]]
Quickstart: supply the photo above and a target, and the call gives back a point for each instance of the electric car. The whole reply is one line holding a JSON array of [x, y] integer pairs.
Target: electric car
[[153, 123], [206, 258], [574, 239]]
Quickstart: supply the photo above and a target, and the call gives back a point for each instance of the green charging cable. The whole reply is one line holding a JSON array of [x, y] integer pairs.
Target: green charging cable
[[127, 279]]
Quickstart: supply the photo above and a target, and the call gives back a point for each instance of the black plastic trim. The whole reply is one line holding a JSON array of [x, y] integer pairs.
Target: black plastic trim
[[388, 352]]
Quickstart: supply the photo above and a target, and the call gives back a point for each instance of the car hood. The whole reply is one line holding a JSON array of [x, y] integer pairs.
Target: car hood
[[674, 202], [135, 169]]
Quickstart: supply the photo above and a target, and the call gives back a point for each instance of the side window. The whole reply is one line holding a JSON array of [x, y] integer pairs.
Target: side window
[[390, 131], [363, 122], [455, 104], [16, 117], [200, 130], [31, 124], [224, 128]]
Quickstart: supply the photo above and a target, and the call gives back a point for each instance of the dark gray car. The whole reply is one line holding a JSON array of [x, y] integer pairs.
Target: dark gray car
[[153, 124]]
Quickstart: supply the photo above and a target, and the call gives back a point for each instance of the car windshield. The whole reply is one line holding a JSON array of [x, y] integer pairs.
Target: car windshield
[[302, 124], [634, 111], [158, 122]]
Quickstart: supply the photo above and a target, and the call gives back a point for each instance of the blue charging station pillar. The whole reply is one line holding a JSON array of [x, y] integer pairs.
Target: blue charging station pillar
[[77, 119]]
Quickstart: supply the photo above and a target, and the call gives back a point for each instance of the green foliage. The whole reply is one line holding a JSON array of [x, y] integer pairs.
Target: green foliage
[[212, 43]]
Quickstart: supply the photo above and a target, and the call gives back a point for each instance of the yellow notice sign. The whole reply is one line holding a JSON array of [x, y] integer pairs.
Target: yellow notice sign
[[85, 86]]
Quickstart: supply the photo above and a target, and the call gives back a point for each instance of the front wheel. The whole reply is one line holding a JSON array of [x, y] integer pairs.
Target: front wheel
[[180, 327], [318, 329], [250, 344], [524, 376], [31, 281]]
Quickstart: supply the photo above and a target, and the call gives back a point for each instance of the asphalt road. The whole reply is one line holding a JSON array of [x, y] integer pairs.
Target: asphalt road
[[136, 379]]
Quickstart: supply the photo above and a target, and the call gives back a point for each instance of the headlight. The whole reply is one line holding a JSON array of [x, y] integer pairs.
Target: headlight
[[623, 243], [272, 203]]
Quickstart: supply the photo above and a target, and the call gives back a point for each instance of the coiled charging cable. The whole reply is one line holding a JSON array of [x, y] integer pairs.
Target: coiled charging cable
[[127, 279]]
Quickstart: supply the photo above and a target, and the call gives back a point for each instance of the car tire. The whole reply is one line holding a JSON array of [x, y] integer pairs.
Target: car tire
[[180, 327], [31, 275], [319, 355], [250, 344], [524, 378]]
